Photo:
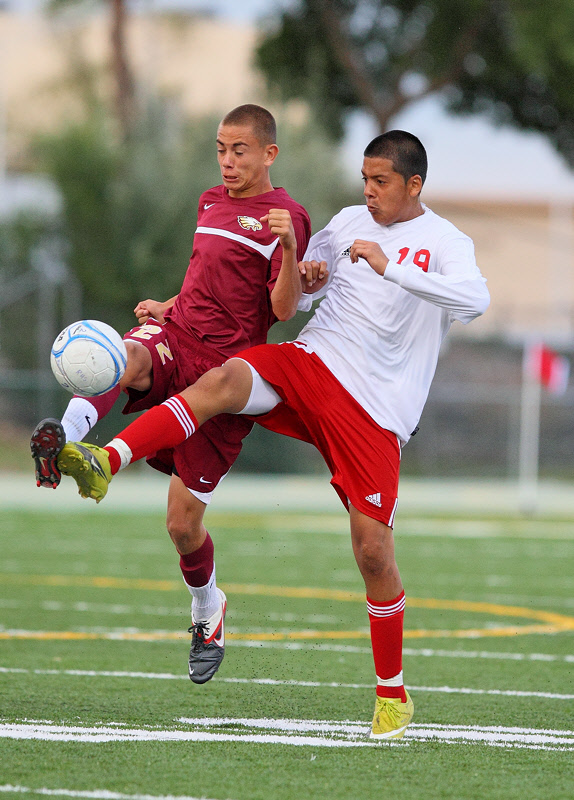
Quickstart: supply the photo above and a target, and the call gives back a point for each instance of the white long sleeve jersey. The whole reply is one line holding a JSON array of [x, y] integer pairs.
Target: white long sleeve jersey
[[381, 335]]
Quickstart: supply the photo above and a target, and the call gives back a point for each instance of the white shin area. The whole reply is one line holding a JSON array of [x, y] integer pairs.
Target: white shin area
[[79, 418], [206, 600]]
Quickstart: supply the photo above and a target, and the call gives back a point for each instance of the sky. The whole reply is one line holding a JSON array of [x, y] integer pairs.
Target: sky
[[468, 156]]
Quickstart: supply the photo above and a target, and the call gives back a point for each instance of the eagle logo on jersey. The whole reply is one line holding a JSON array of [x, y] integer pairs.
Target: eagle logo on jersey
[[250, 223]]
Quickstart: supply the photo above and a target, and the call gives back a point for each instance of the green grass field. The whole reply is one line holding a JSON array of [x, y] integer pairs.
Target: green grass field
[[96, 703]]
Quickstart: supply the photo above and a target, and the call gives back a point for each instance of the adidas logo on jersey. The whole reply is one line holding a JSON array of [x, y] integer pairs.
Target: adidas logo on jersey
[[375, 499], [346, 252]]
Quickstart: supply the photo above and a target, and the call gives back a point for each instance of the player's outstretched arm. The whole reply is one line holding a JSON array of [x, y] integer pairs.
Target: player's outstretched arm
[[287, 290], [152, 308]]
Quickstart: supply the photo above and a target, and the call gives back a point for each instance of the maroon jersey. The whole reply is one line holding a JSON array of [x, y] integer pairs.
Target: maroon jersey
[[225, 298]]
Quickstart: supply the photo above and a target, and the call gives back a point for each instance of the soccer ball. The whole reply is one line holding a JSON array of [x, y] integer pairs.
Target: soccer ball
[[88, 358]]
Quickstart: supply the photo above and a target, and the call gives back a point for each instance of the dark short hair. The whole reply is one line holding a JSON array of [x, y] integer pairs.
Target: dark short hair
[[262, 121], [402, 148]]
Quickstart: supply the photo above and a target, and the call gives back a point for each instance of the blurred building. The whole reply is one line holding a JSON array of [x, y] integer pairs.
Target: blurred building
[[198, 66], [526, 251], [202, 65]]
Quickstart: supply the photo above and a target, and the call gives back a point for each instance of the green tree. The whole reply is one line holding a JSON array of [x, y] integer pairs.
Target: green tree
[[125, 107], [129, 209], [513, 59]]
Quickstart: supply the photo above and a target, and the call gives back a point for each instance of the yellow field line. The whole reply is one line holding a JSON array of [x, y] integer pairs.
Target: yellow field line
[[167, 636], [554, 622]]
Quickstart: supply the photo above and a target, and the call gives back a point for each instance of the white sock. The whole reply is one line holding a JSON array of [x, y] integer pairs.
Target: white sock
[[79, 418], [206, 599]]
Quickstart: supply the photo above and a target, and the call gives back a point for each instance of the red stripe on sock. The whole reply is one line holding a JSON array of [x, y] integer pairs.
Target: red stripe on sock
[[387, 643]]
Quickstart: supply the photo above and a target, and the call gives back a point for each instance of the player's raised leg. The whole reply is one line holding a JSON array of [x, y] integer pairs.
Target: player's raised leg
[[225, 389], [195, 547], [81, 414], [374, 550]]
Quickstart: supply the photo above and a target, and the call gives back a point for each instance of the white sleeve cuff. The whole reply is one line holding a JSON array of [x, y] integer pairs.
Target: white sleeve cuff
[[394, 273], [305, 302]]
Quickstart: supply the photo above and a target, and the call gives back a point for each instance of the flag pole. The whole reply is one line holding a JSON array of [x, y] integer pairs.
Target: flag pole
[[529, 433]]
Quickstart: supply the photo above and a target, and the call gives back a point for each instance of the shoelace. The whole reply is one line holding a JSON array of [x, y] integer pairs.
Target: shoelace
[[198, 632]]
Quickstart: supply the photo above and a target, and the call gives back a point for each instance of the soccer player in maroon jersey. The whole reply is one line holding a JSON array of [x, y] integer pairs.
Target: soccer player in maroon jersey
[[243, 276]]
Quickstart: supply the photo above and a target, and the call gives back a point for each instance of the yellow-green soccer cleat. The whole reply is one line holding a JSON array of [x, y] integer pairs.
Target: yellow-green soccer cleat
[[89, 466], [391, 717]]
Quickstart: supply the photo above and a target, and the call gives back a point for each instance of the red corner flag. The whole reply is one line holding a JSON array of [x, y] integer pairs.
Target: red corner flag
[[547, 367]]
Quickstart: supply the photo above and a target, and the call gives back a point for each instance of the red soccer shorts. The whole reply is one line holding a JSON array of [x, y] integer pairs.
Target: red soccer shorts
[[177, 362], [363, 458]]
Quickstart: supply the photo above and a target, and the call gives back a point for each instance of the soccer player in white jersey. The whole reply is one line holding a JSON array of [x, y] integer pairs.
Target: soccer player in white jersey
[[354, 383]]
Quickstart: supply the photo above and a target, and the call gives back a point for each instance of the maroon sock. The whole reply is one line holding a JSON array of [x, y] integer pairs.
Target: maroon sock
[[104, 402], [197, 567]]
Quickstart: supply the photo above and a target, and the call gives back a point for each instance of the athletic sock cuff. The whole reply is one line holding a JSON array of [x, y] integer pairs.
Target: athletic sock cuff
[[120, 455], [388, 608]]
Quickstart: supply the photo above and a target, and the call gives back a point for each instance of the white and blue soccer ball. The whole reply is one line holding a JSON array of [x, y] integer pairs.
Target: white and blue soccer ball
[[88, 358]]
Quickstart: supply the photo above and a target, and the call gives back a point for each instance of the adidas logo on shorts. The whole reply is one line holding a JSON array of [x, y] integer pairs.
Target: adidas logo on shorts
[[375, 499]]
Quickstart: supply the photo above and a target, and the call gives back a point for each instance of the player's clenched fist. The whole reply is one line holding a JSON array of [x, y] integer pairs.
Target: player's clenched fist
[[279, 221], [151, 308], [313, 275], [371, 252]]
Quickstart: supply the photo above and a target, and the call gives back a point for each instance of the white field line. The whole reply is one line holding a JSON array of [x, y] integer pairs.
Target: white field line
[[415, 652], [96, 794], [273, 682], [97, 735], [426, 652], [293, 732], [165, 611]]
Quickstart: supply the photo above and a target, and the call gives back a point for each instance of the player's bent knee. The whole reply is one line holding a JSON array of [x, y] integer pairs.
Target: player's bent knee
[[372, 561], [186, 532], [373, 547], [225, 389]]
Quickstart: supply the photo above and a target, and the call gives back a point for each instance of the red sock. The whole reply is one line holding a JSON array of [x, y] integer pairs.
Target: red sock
[[387, 642], [160, 428], [197, 567]]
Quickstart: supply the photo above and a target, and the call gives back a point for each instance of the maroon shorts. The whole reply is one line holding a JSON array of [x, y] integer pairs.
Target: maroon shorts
[[363, 458], [178, 360]]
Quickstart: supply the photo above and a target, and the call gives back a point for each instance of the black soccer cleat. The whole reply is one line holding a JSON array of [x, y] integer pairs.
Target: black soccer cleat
[[45, 445], [207, 645]]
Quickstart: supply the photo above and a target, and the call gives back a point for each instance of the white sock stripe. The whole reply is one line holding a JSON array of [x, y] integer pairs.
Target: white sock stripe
[[386, 611], [182, 416], [179, 411], [384, 614]]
